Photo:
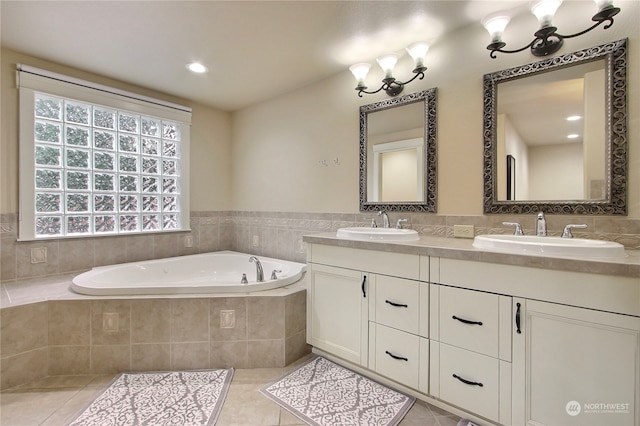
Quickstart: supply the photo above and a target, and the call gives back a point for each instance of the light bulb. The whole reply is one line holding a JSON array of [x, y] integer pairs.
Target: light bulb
[[360, 72], [495, 25], [418, 51], [387, 63], [197, 67], [603, 4], [544, 11]]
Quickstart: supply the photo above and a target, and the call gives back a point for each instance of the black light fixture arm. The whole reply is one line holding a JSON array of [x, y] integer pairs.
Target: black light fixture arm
[[608, 19], [498, 47], [392, 86], [548, 41]]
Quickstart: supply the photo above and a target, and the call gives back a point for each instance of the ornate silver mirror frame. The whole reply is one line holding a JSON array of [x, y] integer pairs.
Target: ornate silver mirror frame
[[615, 202], [428, 203]]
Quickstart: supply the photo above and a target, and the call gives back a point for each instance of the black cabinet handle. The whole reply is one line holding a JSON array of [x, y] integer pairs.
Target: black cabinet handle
[[397, 305], [396, 356], [518, 318], [364, 292], [468, 382], [467, 321]]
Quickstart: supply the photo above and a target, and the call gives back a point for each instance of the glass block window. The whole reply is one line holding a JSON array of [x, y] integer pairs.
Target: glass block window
[[100, 170], [97, 169]]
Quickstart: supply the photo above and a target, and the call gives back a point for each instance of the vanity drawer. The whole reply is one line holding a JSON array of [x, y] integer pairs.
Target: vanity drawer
[[394, 354], [480, 394], [397, 303], [469, 319]]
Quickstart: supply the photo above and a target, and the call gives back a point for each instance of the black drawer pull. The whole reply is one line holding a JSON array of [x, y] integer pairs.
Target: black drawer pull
[[467, 321], [396, 356], [518, 318], [397, 305], [364, 292], [467, 382]]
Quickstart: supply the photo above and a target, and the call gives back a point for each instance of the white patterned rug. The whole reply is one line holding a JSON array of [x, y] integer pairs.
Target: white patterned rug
[[322, 393], [159, 398]]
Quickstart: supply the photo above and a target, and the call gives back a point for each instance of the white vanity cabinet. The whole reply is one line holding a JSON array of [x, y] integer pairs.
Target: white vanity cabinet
[[338, 316], [501, 344], [342, 281], [575, 347], [575, 366], [398, 331], [471, 351]]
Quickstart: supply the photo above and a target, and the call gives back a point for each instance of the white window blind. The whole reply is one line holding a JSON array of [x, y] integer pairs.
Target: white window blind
[[99, 161]]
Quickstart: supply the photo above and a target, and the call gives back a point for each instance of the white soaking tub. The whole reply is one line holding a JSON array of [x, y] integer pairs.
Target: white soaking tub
[[216, 272]]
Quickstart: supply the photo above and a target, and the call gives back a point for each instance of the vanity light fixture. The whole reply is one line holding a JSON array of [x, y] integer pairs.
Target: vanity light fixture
[[390, 85], [547, 40]]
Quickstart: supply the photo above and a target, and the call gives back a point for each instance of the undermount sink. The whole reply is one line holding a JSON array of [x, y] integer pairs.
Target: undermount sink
[[553, 246], [377, 234]]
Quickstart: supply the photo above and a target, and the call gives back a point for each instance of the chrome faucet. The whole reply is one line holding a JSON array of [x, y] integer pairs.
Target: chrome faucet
[[541, 225], [273, 274], [517, 227], [385, 218], [566, 233], [259, 271]]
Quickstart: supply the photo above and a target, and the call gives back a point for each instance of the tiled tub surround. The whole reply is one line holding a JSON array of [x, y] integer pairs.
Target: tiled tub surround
[[279, 235], [70, 334], [62, 334]]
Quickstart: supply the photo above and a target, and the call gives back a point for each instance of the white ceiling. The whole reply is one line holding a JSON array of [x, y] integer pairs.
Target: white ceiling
[[255, 50]]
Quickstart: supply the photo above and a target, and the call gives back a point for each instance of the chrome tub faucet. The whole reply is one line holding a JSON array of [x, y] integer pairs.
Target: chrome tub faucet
[[259, 271]]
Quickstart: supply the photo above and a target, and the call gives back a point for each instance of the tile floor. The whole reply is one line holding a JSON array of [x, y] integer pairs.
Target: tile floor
[[55, 400]]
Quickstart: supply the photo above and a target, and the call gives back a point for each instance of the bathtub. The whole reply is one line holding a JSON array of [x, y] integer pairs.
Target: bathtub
[[216, 272]]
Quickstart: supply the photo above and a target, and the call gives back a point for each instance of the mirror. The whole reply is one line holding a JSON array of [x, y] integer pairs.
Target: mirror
[[398, 153], [530, 162]]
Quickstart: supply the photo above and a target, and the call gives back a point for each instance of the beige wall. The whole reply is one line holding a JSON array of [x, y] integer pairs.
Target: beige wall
[[210, 137], [277, 144], [262, 170], [275, 160]]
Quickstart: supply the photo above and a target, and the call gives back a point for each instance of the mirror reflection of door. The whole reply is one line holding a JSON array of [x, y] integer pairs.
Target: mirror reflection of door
[[397, 171], [555, 125], [511, 177], [395, 142]]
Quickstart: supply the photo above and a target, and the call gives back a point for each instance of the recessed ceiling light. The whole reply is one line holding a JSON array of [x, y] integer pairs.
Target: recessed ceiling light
[[573, 136], [574, 118], [197, 67]]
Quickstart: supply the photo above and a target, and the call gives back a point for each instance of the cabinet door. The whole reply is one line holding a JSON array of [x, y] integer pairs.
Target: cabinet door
[[574, 366], [337, 312]]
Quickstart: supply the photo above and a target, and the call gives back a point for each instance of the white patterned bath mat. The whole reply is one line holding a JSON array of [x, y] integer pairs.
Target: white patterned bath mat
[[159, 398], [322, 393]]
